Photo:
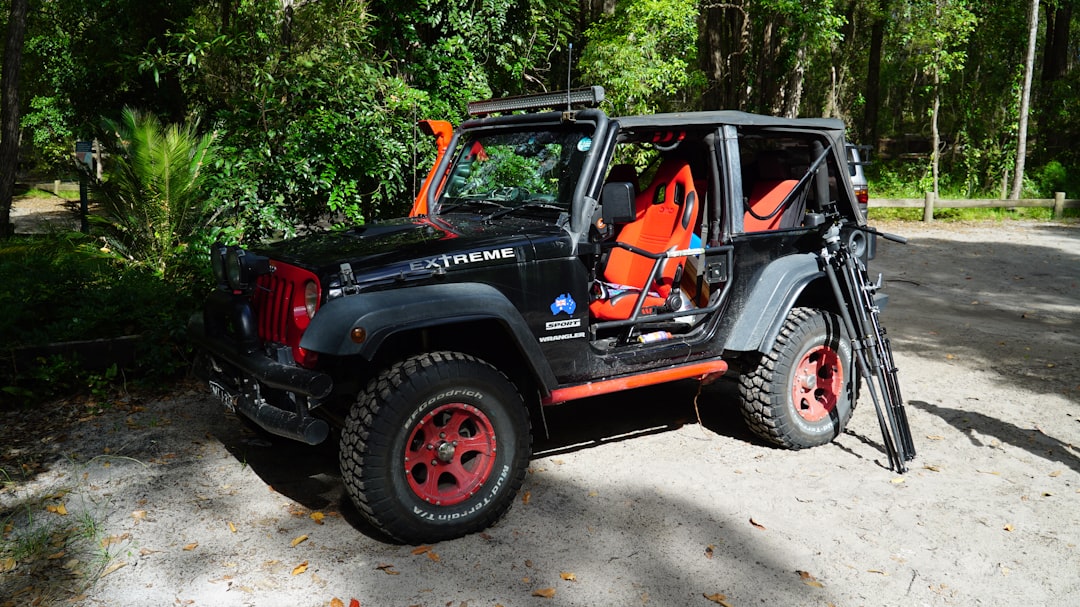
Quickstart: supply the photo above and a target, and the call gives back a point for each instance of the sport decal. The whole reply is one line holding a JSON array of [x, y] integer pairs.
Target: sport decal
[[571, 323]]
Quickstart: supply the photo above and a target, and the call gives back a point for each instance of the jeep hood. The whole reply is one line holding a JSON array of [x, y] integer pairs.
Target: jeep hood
[[406, 243]]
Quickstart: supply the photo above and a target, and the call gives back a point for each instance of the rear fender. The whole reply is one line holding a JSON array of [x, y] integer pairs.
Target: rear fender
[[771, 296], [381, 314]]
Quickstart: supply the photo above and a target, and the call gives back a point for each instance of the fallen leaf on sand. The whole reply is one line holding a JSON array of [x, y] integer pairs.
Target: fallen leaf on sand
[[757, 525], [1055, 473], [302, 567], [525, 497], [388, 569], [809, 579], [709, 551], [298, 540], [317, 517], [232, 527], [112, 568], [1008, 527], [718, 598], [58, 509], [336, 602], [138, 515], [421, 550], [191, 546], [546, 593], [567, 576]]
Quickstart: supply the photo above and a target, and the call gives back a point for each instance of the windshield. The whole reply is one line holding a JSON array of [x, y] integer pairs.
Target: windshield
[[502, 172]]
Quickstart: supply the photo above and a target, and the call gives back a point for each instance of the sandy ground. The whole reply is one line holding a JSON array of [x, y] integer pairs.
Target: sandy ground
[[631, 501]]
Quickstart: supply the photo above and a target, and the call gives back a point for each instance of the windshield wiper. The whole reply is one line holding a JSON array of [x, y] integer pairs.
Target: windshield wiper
[[468, 202], [527, 205]]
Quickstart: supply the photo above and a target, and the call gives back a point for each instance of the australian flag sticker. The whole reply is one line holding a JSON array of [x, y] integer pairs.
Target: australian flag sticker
[[563, 303]]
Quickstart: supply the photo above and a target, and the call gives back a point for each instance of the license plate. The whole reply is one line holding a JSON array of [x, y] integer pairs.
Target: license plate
[[227, 398]]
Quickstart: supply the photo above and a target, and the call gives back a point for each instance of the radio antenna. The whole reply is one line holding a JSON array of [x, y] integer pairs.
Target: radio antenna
[[569, 63]]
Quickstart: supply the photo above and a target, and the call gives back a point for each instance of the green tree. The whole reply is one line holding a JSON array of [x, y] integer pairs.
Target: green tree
[[152, 197], [937, 34], [641, 71]]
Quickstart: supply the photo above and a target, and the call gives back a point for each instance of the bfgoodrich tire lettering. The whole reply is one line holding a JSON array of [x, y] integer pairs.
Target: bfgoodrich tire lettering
[[435, 448], [801, 393]]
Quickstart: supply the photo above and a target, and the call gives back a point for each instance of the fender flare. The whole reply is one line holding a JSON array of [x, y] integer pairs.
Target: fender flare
[[383, 313], [772, 294]]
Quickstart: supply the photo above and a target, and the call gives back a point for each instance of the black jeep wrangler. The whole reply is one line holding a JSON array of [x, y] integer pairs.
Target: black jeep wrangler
[[564, 254]]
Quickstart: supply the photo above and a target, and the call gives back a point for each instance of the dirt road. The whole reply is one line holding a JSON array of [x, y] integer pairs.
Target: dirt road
[[631, 503]]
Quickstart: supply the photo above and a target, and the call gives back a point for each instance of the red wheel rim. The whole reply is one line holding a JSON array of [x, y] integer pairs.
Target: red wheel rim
[[450, 454], [819, 381]]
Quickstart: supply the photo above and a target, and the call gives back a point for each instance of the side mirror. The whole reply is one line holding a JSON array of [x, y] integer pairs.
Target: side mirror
[[617, 202]]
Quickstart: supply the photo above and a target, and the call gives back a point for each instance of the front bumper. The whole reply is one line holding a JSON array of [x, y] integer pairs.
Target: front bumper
[[238, 372], [265, 370]]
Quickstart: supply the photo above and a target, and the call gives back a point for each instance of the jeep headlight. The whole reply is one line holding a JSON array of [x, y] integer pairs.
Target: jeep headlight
[[243, 267]]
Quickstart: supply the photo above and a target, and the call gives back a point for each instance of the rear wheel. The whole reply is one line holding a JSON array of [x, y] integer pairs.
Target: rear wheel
[[801, 393], [436, 447]]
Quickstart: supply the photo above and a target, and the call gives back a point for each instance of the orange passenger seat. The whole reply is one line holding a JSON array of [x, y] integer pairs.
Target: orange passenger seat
[[665, 222], [769, 191]]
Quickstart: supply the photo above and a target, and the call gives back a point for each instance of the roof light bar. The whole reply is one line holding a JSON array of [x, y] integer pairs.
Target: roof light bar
[[588, 97]]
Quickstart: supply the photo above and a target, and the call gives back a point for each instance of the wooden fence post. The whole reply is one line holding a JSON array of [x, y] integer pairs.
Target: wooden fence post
[[1059, 205], [928, 207]]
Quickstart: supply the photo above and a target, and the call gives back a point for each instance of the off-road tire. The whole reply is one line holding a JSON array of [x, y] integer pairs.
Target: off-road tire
[[810, 362], [397, 447]]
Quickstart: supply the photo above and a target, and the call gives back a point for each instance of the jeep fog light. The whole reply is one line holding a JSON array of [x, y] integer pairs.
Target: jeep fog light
[[242, 268], [218, 252], [311, 298]]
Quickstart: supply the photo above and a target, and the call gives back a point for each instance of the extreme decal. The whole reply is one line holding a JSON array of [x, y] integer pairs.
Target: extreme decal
[[446, 261]]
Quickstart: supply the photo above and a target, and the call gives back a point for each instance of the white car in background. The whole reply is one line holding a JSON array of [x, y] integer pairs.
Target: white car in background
[[856, 163]]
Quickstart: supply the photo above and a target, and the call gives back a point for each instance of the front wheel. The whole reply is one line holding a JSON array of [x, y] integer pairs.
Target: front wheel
[[435, 448], [801, 393]]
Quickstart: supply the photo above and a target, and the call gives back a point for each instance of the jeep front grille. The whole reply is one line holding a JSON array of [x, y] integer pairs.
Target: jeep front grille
[[273, 307]]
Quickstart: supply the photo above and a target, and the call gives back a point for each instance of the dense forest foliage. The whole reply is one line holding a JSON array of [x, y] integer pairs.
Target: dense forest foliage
[[314, 101], [240, 120]]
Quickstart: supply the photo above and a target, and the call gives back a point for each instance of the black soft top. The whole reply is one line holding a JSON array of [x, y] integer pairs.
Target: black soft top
[[732, 117]]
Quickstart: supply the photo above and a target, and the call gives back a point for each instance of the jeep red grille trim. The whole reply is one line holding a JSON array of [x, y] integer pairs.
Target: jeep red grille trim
[[273, 307], [281, 310]]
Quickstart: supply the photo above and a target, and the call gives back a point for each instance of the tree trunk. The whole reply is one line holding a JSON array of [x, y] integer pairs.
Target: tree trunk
[[1056, 53], [794, 89], [723, 48], [1025, 100], [9, 111], [935, 136], [873, 75]]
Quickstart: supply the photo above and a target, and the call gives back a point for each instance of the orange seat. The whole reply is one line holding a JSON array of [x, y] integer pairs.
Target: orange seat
[[766, 198], [667, 223], [768, 194]]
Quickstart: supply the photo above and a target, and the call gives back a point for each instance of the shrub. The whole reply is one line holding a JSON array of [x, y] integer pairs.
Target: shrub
[[62, 287]]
